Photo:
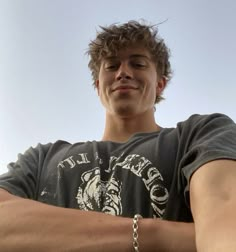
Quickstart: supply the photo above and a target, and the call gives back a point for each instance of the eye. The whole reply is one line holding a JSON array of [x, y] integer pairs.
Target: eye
[[110, 67], [139, 64]]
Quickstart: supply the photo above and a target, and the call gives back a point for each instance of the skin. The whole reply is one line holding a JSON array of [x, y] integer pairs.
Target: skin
[[32, 226], [214, 214], [127, 86]]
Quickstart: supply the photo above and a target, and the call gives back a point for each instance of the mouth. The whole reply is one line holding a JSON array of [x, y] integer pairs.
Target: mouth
[[124, 88]]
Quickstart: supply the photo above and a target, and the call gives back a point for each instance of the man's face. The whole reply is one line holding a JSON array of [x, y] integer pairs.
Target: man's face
[[128, 82]]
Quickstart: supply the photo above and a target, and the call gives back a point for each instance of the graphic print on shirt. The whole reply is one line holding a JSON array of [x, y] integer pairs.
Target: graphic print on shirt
[[95, 193], [150, 175], [104, 192]]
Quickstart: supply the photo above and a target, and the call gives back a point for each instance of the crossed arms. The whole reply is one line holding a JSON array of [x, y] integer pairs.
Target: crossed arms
[[27, 225]]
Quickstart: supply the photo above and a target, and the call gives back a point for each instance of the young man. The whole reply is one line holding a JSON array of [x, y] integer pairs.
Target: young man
[[172, 177]]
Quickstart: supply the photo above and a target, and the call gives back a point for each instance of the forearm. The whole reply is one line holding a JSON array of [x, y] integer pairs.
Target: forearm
[[26, 225], [166, 236], [32, 226]]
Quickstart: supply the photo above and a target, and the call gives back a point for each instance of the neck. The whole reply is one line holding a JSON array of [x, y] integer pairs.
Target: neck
[[120, 129]]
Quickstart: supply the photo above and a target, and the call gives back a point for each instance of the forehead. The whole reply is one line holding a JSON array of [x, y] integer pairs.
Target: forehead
[[128, 52]]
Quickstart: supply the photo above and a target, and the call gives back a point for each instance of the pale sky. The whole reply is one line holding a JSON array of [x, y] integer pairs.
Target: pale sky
[[46, 89]]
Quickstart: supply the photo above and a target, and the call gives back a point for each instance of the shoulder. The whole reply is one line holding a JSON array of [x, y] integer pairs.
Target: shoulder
[[208, 122], [43, 150], [202, 119]]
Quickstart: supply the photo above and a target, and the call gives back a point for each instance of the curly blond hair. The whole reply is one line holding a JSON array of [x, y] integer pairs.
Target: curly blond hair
[[115, 37]]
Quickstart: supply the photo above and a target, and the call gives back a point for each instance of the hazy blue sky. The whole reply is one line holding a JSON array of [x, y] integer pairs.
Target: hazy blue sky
[[46, 90]]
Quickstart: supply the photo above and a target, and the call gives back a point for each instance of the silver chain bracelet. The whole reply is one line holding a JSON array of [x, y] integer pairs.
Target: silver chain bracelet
[[135, 232]]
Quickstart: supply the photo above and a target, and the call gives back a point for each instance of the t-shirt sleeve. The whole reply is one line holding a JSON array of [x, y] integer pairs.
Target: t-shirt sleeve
[[23, 175], [204, 138]]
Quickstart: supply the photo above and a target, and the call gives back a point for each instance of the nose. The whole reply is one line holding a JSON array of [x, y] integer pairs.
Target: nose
[[124, 72]]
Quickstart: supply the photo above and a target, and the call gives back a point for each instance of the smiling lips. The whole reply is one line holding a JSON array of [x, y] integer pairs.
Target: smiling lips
[[124, 88]]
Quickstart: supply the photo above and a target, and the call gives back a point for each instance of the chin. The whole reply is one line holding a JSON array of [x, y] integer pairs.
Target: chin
[[125, 111]]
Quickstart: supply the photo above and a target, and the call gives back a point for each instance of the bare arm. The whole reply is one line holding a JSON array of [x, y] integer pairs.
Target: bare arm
[[213, 204], [27, 225]]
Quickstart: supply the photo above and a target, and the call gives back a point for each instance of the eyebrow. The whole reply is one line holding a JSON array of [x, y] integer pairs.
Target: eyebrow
[[139, 56], [131, 56]]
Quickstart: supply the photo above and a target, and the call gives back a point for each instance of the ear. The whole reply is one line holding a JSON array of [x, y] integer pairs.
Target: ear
[[97, 86], [161, 84]]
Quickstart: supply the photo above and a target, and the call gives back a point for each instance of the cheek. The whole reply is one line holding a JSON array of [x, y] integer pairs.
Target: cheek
[[102, 90], [151, 84], [105, 80], [151, 89]]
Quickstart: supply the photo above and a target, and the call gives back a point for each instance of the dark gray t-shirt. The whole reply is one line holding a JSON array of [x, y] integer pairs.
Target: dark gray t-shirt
[[149, 174]]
